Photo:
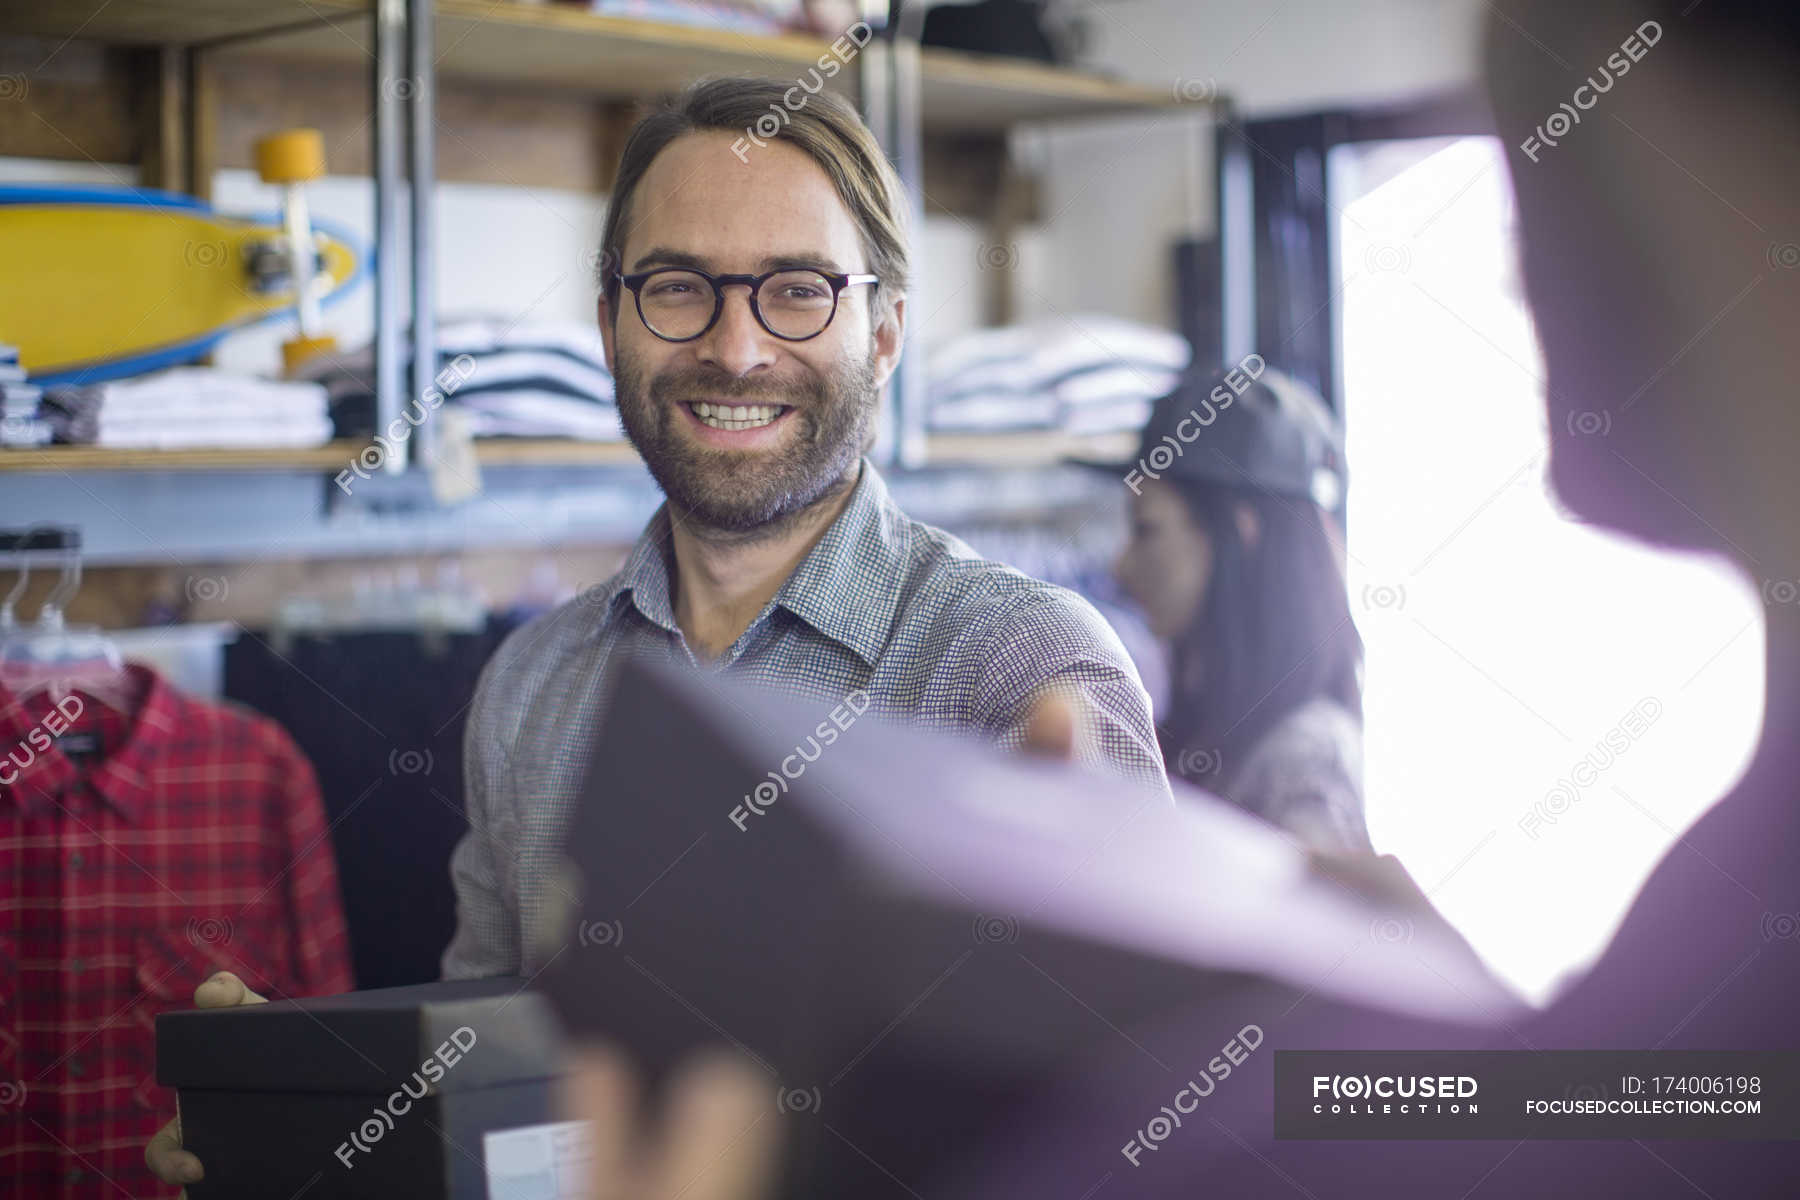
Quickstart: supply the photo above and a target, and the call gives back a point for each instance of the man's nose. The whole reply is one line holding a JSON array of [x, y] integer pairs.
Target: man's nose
[[736, 343]]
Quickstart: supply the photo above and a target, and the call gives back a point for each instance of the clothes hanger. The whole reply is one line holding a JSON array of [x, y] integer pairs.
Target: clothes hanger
[[50, 655]]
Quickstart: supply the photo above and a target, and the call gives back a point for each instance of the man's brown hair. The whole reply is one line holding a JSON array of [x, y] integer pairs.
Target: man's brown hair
[[822, 124]]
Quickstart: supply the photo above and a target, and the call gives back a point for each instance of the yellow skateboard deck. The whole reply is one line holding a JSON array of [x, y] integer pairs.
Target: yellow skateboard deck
[[108, 282]]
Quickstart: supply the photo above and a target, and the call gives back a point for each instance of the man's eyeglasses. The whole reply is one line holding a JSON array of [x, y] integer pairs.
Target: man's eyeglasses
[[679, 305]]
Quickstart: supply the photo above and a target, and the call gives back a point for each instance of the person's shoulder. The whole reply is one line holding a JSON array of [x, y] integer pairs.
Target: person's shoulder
[[950, 581], [547, 635], [1305, 775], [1318, 728], [529, 656]]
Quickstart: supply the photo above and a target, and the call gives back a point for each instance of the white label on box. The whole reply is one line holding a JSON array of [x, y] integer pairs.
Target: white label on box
[[539, 1162]]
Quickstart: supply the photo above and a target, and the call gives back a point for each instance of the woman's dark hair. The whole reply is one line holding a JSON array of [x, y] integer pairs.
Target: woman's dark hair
[[1272, 632]]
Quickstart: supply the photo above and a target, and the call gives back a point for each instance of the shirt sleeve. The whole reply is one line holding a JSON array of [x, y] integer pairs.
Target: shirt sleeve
[[1054, 640], [486, 942], [321, 957]]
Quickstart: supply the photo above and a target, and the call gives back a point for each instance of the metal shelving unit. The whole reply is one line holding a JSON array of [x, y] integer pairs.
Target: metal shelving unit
[[906, 92]]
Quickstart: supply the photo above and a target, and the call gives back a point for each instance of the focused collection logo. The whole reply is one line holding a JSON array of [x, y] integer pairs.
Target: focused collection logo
[[1394, 1095]]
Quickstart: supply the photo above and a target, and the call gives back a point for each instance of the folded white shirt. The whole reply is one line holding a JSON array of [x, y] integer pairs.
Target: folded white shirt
[[206, 389], [195, 434]]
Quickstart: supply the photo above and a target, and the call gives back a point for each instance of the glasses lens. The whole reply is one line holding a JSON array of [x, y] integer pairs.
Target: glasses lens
[[676, 304], [796, 304]]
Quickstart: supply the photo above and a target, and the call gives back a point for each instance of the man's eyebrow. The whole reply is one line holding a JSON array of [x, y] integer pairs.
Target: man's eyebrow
[[663, 256]]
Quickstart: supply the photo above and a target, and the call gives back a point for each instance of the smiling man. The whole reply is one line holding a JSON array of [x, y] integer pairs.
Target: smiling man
[[752, 308]]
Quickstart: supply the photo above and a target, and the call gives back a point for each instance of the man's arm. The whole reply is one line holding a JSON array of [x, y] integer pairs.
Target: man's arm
[[486, 942], [1052, 641]]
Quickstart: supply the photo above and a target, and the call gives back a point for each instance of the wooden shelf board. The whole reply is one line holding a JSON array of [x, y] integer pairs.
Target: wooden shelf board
[[101, 458], [572, 49], [494, 452], [168, 22], [563, 49], [1032, 448], [966, 92], [551, 452]]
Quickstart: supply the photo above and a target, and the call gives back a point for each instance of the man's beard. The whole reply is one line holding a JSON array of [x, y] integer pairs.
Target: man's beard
[[737, 491]]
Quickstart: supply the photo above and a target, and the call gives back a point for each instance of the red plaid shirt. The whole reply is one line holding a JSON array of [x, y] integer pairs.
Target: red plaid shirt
[[138, 855]]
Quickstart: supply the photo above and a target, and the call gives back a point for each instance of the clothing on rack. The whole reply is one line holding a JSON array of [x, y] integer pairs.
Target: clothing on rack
[[1083, 374], [391, 775], [992, 412], [141, 852], [543, 379], [190, 407], [535, 413]]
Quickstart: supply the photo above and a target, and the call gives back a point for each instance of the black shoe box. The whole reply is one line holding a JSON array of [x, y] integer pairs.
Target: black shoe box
[[369, 1094]]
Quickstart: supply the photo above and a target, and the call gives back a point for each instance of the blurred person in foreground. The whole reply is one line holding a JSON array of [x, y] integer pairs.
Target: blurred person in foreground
[[1661, 248], [1660, 243], [1237, 561]]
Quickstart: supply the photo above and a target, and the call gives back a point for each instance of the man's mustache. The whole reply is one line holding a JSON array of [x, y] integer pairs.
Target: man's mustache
[[713, 385]]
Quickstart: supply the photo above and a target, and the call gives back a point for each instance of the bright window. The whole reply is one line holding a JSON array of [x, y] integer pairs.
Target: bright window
[[1549, 706]]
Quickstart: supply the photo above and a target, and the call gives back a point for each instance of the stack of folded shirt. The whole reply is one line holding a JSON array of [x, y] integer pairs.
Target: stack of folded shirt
[[1084, 374], [547, 379], [21, 421], [190, 407]]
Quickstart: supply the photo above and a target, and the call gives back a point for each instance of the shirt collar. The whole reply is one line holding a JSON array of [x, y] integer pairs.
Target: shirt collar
[[847, 586], [122, 778], [644, 575]]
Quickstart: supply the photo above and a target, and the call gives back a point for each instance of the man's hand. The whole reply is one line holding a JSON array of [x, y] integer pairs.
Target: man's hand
[[716, 1140], [1050, 726], [167, 1160]]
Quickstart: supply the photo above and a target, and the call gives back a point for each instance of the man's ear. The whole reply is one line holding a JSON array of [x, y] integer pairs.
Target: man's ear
[[603, 312], [890, 335]]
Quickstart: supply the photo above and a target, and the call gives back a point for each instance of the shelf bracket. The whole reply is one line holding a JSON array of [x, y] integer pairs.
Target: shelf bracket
[[893, 109], [404, 92]]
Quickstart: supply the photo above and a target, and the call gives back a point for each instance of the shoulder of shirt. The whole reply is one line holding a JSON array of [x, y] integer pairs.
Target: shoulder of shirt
[[221, 721], [528, 652], [1318, 730], [944, 571]]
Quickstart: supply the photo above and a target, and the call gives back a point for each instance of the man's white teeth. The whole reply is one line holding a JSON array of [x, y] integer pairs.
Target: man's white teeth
[[736, 416]]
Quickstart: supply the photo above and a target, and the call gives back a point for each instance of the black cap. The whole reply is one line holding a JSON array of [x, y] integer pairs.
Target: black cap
[[1247, 426]]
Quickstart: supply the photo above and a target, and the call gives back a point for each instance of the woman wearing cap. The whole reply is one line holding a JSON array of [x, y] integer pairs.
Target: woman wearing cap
[[1236, 560]]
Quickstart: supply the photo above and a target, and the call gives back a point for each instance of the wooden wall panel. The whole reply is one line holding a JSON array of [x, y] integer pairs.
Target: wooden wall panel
[[69, 101], [163, 109], [485, 134]]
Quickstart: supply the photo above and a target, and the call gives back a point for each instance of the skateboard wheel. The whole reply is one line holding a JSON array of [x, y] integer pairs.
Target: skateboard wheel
[[291, 156]]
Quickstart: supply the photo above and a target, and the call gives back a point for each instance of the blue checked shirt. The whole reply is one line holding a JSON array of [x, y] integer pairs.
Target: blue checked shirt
[[882, 604]]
